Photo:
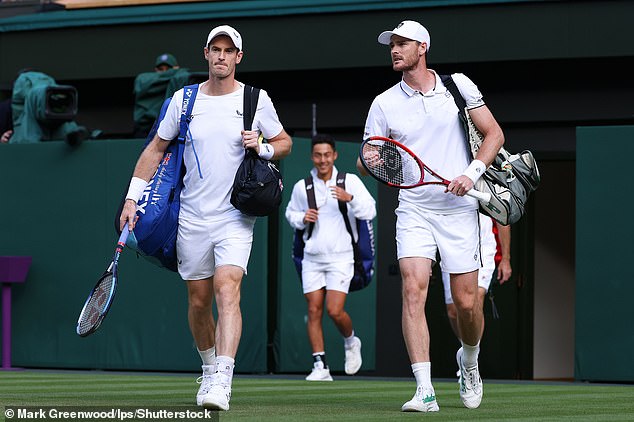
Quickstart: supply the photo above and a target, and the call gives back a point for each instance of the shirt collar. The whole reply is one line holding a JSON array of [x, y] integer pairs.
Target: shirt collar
[[313, 172], [439, 88]]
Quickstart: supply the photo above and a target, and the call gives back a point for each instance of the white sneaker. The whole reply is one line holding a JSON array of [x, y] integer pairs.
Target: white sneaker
[[219, 394], [353, 357], [205, 383], [319, 373], [470, 384], [424, 400]]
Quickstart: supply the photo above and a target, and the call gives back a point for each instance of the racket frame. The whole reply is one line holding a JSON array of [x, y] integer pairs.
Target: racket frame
[[481, 196], [111, 270]]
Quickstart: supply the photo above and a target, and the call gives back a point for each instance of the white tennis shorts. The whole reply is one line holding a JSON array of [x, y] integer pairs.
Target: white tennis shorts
[[420, 233], [488, 249], [204, 246], [331, 275]]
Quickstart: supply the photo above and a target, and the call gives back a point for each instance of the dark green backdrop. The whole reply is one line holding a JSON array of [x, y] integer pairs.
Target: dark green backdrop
[[605, 279]]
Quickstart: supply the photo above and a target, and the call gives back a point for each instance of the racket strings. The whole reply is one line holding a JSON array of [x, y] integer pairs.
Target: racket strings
[[391, 164], [96, 305]]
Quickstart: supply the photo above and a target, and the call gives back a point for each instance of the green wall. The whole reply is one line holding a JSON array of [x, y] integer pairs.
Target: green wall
[[58, 206], [604, 250], [291, 345]]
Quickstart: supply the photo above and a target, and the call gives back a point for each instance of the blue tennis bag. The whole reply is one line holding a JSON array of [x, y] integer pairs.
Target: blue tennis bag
[[154, 234], [363, 256], [363, 248]]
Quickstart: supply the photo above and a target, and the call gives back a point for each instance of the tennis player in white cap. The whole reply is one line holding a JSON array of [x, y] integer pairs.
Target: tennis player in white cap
[[214, 238], [421, 113]]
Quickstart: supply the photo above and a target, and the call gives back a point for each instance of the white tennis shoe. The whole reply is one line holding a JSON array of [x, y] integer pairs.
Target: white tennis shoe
[[470, 384], [319, 373], [424, 400], [353, 357], [205, 383], [219, 394]]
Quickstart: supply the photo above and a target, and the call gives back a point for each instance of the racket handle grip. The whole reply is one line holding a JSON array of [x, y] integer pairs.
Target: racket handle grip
[[480, 196], [124, 234]]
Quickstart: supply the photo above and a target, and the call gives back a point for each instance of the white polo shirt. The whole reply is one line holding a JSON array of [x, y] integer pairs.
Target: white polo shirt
[[329, 241], [428, 124], [217, 142]]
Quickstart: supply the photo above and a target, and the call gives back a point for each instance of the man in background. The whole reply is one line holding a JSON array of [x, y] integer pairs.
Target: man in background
[[165, 62], [328, 264]]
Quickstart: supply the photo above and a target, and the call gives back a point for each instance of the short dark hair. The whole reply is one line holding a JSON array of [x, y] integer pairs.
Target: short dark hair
[[323, 138]]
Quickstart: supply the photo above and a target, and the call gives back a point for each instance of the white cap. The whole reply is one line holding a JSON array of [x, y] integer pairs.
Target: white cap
[[228, 31], [407, 29]]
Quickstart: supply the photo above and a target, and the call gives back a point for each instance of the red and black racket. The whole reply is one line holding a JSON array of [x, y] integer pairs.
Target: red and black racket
[[394, 164]]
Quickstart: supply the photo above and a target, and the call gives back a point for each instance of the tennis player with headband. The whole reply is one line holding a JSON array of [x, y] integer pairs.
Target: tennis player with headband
[[420, 113]]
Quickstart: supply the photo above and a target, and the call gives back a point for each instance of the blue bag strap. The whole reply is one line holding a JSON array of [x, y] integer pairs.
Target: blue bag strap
[[189, 96]]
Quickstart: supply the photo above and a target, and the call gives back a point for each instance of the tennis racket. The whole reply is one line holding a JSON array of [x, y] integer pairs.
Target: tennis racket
[[101, 296], [394, 164]]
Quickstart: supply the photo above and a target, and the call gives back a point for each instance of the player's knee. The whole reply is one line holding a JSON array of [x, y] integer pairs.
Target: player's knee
[[198, 304], [465, 303], [335, 312], [414, 293], [315, 311]]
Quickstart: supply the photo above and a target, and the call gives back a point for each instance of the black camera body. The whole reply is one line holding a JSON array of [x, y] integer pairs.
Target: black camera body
[[44, 111]]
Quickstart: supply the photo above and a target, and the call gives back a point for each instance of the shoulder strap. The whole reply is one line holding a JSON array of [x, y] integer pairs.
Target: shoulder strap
[[312, 202], [343, 207], [189, 96], [341, 179], [250, 105], [451, 86]]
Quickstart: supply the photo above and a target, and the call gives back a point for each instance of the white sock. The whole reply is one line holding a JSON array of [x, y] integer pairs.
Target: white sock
[[224, 366], [470, 355], [349, 341], [208, 356], [422, 373]]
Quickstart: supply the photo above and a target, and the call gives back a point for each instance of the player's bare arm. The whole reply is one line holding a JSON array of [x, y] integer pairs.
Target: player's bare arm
[[282, 143], [492, 132], [504, 268], [493, 141]]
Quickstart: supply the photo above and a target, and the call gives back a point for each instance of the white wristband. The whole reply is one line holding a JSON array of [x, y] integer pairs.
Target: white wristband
[[135, 191], [475, 170], [266, 151]]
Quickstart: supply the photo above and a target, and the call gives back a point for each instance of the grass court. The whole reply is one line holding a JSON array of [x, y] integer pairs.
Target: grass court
[[278, 398]]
